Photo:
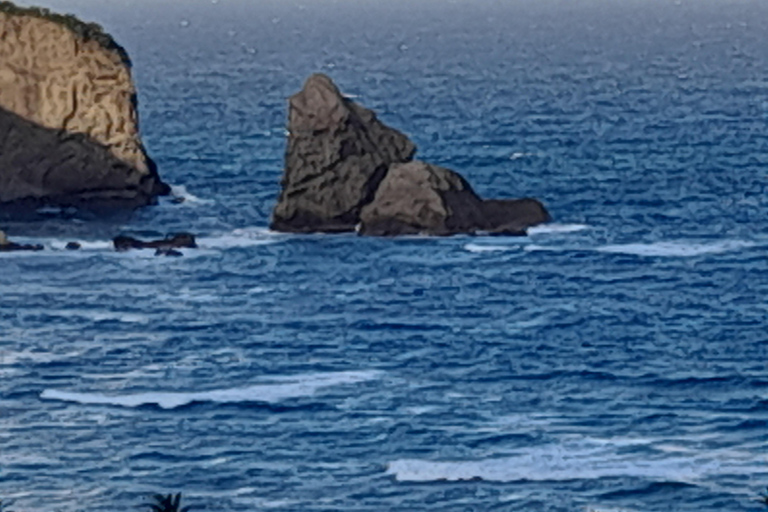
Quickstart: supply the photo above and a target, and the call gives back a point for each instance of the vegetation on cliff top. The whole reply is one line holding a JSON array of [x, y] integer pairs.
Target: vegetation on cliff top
[[86, 31]]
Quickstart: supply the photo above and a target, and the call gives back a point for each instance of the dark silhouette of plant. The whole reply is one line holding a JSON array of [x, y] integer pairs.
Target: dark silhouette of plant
[[167, 503], [764, 498]]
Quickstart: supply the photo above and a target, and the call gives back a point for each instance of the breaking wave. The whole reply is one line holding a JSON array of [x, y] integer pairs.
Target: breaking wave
[[280, 388], [582, 460]]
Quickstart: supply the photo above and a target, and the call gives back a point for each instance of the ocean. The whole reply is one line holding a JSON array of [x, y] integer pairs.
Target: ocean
[[613, 360]]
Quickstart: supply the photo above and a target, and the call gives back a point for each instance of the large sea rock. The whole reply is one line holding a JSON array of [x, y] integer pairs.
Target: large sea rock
[[420, 198], [69, 131], [338, 153], [345, 170]]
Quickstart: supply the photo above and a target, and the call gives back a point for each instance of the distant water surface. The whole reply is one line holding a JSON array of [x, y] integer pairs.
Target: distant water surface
[[613, 360]]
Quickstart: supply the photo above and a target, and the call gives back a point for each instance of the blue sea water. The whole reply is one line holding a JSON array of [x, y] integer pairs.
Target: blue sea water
[[614, 360]]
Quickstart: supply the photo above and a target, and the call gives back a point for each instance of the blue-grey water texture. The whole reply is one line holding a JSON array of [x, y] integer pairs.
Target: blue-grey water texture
[[614, 360]]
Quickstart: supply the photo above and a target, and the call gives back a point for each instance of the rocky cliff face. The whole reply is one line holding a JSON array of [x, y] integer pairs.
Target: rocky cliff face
[[70, 82], [338, 153]]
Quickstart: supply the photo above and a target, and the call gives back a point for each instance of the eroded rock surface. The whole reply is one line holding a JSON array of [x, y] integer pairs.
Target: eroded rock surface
[[420, 198], [417, 197], [67, 83], [338, 153], [346, 170]]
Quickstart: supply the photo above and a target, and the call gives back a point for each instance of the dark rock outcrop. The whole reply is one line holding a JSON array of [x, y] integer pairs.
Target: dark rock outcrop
[[165, 245], [338, 153], [346, 170], [420, 198], [69, 132], [417, 197], [44, 167], [8, 246], [513, 216]]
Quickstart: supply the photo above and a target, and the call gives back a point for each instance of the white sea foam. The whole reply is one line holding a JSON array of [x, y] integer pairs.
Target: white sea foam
[[280, 388], [244, 237], [85, 245], [189, 198], [578, 459], [546, 229], [100, 316], [519, 154], [479, 248], [677, 249]]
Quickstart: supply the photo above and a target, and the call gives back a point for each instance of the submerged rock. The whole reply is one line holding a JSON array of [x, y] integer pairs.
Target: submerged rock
[[167, 244], [338, 153], [69, 133], [346, 170]]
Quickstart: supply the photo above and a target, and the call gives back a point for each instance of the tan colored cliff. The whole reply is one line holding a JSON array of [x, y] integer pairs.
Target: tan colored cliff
[[56, 78], [69, 134]]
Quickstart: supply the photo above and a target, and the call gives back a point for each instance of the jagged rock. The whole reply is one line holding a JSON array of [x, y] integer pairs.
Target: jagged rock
[[174, 241], [73, 246], [338, 153], [346, 170], [420, 198], [69, 132], [7, 246]]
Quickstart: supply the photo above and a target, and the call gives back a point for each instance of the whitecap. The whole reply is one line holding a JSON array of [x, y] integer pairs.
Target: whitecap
[[519, 154], [479, 248], [101, 316], [243, 237], [577, 459], [280, 388], [85, 245], [677, 249], [547, 229], [180, 191]]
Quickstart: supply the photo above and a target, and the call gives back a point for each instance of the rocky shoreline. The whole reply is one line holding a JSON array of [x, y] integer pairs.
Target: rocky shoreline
[[69, 139]]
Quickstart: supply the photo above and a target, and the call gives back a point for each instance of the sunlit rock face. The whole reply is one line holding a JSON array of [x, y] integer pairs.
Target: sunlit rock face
[[69, 132]]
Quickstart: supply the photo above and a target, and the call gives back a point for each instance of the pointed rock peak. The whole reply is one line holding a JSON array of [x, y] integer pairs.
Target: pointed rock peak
[[318, 106], [338, 153], [321, 82]]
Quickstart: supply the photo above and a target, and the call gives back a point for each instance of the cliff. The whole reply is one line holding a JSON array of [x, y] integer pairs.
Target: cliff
[[66, 87]]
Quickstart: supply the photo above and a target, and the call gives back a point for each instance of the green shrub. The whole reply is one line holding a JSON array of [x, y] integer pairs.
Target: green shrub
[[167, 503]]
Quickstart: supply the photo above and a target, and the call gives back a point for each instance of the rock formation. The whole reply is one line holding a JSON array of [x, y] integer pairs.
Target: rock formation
[[69, 132], [338, 153], [163, 246], [417, 197], [7, 246], [346, 170]]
